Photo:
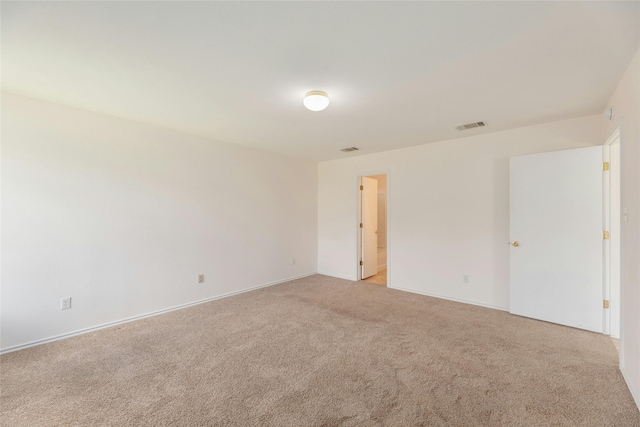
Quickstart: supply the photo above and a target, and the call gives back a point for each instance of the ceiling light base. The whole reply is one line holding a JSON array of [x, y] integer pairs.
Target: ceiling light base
[[316, 100]]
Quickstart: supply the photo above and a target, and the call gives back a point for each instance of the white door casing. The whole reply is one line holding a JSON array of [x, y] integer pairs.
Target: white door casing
[[556, 218], [369, 221], [611, 223]]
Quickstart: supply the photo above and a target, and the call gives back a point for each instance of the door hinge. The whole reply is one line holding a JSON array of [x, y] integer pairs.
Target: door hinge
[[362, 187], [605, 303], [361, 262], [360, 225], [605, 166], [605, 235]]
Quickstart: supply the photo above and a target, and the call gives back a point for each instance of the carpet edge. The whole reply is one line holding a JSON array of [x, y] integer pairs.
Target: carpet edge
[[413, 291], [143, 316]]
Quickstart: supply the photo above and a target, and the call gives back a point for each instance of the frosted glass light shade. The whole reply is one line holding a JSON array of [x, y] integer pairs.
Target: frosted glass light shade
[[316, 100]]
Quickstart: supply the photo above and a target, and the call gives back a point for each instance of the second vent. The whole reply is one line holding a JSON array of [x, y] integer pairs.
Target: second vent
[[471, 125]]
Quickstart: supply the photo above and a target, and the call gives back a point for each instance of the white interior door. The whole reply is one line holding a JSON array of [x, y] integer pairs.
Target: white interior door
[[369, 221], [556, 220]]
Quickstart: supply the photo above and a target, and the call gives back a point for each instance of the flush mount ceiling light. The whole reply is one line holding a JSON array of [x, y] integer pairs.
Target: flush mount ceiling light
[[316, 100]]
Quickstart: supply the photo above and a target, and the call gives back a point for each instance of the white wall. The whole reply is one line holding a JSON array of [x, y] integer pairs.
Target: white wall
[[626, 105], [447, 209], [122, 217]]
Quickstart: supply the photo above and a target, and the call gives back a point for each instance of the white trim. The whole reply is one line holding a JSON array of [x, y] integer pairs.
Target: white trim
[[634, 392], [606, 244], [359, 230], [351, 279], [427, 294], [614, 135], [413, 291], [142, 316], [609, 211], [382, 267]]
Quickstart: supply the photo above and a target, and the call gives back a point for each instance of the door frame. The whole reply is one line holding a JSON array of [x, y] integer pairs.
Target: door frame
[[359, 216], [611, 258]]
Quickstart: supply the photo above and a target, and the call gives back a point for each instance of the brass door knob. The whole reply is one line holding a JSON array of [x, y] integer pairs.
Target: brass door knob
[[515, 244]]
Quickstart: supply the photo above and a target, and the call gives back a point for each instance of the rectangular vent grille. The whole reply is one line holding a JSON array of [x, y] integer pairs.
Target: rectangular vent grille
[[471, 125], [346, 150]]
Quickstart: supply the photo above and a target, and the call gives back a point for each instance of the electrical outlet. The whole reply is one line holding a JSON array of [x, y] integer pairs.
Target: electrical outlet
[[200, 278], [465, 278], [293, 261], [65, 303]]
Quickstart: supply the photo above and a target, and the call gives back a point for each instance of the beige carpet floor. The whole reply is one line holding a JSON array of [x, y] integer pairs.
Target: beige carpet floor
[[321, 351]]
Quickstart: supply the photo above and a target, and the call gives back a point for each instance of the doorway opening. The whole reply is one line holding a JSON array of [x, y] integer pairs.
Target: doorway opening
[[373, 229], [611, 224]]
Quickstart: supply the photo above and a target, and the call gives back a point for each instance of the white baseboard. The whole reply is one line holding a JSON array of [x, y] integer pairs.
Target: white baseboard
[[142, 316], [635, 393], [382, 267], [494, 307], [425, 293], [351, 279]]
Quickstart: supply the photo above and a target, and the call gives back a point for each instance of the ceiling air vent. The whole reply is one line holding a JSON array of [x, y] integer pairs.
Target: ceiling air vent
[[346, 150], [471, 125]]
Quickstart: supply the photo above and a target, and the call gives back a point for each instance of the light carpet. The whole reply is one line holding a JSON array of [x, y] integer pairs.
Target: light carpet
[[321, 351]]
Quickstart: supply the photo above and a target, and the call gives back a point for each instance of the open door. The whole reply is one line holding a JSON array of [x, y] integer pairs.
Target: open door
[[369, 226], [557, 237]]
